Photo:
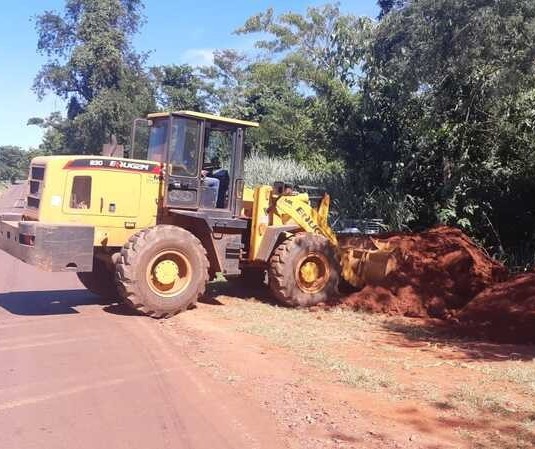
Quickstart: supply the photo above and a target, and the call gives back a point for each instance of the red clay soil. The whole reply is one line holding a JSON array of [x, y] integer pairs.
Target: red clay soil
[[437, 270], [504, 312]]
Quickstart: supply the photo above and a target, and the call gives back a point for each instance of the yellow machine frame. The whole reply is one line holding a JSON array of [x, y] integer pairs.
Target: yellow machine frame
[[94, 214]]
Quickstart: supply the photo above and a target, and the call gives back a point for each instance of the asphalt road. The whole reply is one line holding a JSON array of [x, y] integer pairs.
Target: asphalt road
[[75, 373]]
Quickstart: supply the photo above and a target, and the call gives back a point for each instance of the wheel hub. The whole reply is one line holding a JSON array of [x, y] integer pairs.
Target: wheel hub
[[169, 273], [166, 272], [310, 272]]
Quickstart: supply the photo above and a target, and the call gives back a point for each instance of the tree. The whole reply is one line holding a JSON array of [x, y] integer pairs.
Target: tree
[[226, 81], [55, 127], [431, 107], [92, 65], [181, 87], [13, 163], [272, 97], [313, 44], [451, 83], [390, 5], [304, 89]]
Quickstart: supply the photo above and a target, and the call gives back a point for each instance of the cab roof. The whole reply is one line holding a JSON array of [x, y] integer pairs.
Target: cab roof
[[203, 116]]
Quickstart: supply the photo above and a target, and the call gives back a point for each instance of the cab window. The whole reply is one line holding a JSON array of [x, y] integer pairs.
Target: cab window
[[184, 147], [157, 140], [81, 192], [218, 147]]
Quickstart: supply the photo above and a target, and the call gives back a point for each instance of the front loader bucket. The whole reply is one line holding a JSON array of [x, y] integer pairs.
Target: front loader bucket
[[365, 262]]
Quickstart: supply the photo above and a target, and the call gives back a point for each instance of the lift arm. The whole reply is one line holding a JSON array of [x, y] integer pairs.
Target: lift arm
[[309, 219]]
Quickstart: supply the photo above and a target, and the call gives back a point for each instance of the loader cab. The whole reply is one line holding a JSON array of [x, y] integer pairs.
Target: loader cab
[[203, 154]]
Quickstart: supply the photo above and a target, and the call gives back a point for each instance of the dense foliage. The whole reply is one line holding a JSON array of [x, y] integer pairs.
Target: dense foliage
[[453, 83], [14, 163], [92, 65], [430, 109], [424, 115]]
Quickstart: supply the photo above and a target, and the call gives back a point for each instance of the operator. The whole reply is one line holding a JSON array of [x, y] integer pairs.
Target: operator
[[157, 153], [223, 180], [208, 180]]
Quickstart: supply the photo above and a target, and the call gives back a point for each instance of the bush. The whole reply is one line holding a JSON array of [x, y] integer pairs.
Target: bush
[[265, 170], [347, 201]]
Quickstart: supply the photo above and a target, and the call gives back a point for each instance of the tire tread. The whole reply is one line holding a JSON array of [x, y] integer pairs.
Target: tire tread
[[126, 268]]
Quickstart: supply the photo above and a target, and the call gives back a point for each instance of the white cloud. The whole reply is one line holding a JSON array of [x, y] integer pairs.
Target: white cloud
[[198, 56]]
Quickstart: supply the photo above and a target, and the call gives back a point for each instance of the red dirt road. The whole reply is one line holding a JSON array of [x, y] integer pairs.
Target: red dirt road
[[76, 373]]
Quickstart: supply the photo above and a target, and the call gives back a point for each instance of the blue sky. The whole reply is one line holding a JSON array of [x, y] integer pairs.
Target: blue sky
[[176, 31]]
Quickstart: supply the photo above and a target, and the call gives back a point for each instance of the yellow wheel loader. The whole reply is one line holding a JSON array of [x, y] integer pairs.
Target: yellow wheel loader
[[152, 231]]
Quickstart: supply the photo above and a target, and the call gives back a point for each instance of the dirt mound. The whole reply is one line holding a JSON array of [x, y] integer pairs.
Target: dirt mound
[[437, 270], [504, 312]]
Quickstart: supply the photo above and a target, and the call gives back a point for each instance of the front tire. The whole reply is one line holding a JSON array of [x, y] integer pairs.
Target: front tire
[[304, 271], [162, 270]]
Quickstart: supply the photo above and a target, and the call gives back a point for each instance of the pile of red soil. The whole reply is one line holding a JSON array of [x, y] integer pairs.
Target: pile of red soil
[[504, 312], [437, 270]]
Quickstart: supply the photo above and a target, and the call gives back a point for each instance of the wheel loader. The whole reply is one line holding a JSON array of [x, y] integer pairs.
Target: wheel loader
[[152, 230]]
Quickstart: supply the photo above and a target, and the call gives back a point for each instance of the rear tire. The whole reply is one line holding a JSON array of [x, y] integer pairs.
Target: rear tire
[[304, 271], [162, 271], [101, 281]]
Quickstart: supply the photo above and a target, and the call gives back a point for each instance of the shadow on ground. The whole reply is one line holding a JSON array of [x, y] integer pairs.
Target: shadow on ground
[[236, 288], [418, 333], [119, 308], [61, 302], [53, 302], [502, 432]]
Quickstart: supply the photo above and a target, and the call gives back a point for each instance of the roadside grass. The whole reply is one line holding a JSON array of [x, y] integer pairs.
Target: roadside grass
[[485, 396], [496, 439], [493, 405], [514, 427], [3, 186], [518, 439], [319, 337], [350, 374], [519, 372], [470, 399], [315, 337], [465, 434]]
